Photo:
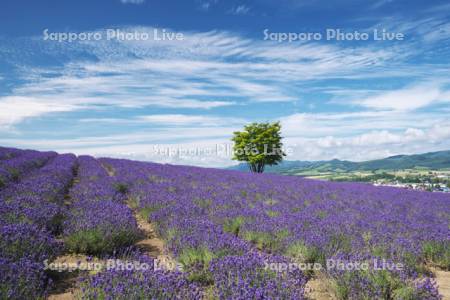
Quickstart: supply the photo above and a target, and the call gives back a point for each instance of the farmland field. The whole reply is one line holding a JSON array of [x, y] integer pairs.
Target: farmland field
[[234, 235]]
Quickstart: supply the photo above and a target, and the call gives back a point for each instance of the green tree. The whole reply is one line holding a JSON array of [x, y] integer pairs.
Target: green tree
[[259, 145]]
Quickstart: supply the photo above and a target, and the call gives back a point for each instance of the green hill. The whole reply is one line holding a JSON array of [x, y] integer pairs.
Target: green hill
[[431, 160]]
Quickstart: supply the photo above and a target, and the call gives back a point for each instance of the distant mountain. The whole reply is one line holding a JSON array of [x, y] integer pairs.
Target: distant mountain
[[431, 160]]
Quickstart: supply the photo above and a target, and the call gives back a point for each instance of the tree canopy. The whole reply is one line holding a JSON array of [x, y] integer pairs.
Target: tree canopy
[[259, 144]]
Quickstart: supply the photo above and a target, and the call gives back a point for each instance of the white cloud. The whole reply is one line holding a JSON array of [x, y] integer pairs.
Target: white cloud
[[200, 140], [15, 109], [342, 124], [364, 135], [371, 145], [424, 31], [207, 4], [218, 69], [380, 3], [132, 1], [179, 119], [406, 99], [212, 147], [188, 74], [240, 10], [206, 146]]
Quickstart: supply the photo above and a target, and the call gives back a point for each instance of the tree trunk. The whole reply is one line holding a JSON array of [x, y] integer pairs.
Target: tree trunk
[[256, 167]]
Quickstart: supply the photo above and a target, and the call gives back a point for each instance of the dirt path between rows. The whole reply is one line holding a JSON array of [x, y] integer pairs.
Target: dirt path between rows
[[317, 289], [443, 282], [152, 245], [65, 283]]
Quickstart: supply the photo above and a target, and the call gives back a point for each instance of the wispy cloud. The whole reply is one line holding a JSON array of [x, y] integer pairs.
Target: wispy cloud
[[407, 99], [187, 92], [433, 27], [15, 109], [132, 1], [185, 74], [373, 145], [205, 5], [240, 10], [171, 120], [380, 3], [187, 120], [364, 135]]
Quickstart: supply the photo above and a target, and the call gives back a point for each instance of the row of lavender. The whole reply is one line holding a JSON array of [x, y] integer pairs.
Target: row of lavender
[[217, 224], [222, 226], [222, 264], [100, 223], [89, 217], [30, 217], [7, 153], [15, 163]]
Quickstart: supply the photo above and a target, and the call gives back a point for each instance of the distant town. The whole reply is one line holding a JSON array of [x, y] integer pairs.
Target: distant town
[[426, 172], [415, 179], [433, 181]]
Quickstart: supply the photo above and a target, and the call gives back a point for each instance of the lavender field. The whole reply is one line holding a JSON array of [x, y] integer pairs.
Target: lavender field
[[234, 235]]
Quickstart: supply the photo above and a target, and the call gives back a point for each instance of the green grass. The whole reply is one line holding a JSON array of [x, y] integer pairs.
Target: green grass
[[322, 214], [196, 263], [390, 285], [203, 203], [296, 209], [121, 188], [233, 225], [270, 202], [272, 213], [300, 252], [171, 234], [266, 241], [405, 293], [15, 174], [148, 210], [339, 242], [95, 242], [437, 253]]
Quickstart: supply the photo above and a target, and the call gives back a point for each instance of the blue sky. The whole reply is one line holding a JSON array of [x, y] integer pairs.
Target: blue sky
[[179, 101]]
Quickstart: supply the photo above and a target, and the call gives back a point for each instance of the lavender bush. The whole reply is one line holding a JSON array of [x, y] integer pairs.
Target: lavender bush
[[99, 227], [7, 153], [222, 226], [246, 277], [119, 283], [98, 223], [38, 198], [14, 168], [22, 279], [203, 213], [27, 241], [27, 214]]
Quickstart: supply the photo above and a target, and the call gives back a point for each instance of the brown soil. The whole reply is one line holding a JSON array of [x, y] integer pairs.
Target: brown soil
[[65, 281], [317, 288], [110, 170], [62, 296], [443, 282], [152, 245]]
